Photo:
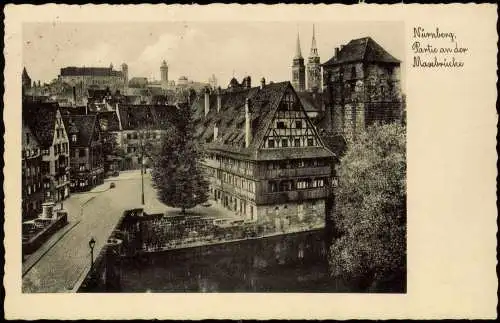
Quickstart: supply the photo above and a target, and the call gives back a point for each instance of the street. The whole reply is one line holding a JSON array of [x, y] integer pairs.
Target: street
[[61, 266]]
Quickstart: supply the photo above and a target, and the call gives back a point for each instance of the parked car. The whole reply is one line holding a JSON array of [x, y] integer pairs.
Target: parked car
[[112, 185], [116, 173], [206, 204]]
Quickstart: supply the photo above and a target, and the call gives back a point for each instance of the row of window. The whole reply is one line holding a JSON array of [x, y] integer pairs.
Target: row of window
[[30, 152], [237, 181], [291, 185], [298, 124], [32, 188], [32, 171], [146, 135], [61, 148], [60, 133], [296, 163], [288, 142], [234, 165]]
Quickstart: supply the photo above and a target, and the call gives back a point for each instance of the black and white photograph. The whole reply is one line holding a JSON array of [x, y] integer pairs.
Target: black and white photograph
[[210, 157], [259, 162]]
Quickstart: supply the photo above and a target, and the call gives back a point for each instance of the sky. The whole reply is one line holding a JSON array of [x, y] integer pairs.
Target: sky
[[194, 49]]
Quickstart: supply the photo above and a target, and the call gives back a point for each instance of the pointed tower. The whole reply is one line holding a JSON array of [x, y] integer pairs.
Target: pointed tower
[[298, 69], [26, 80], [313, 67]]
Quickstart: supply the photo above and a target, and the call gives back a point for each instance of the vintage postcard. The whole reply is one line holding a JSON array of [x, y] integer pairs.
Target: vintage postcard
[[261, 162]]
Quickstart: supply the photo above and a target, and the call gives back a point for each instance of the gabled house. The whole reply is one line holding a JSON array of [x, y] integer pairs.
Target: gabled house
[[32, 188], [264, 157], [87, 162], [46, 124]]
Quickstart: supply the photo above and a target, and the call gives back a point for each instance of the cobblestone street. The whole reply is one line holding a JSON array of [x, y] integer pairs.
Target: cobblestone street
[[58, 265]]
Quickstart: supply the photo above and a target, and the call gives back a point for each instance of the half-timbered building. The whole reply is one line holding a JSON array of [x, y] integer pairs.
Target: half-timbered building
[[264, 157]]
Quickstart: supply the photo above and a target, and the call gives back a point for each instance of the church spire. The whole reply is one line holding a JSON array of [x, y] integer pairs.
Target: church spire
[[298, 52], [314, 49]]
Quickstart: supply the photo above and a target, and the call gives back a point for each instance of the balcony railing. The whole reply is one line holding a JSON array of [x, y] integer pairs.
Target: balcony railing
[[296, 172]]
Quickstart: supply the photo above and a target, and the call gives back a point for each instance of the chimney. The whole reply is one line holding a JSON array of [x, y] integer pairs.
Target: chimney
[[248, 123], [248, 82], [262, 83], [207, 101], [336, 51], [219, 99], [216, 131]]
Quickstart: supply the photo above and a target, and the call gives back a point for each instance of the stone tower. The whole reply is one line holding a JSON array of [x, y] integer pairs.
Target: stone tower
[[298, 69], [164, 74], [125, 75], [313, 67]]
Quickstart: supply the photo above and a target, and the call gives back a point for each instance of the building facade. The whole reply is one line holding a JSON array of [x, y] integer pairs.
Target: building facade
[[32, 186], [81, 78], [86, 156], [265, 161], [362, 82], [314, 67], [141, 128], [298, 69], [46, 124]]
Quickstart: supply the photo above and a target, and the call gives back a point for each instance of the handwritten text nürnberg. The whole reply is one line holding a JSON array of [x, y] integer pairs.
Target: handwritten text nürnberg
[[436, 48]]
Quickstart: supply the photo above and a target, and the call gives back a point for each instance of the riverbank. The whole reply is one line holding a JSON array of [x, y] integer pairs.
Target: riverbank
[[227, 241]]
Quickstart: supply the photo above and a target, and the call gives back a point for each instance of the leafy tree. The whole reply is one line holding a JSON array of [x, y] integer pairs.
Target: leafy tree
[[110, 148], [177, 173], [370, 209], [109, 145]]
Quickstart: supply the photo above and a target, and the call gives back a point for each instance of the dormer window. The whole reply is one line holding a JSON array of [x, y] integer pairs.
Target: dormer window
[[73, 138]]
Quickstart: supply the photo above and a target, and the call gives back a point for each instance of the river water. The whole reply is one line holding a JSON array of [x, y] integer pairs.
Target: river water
[[288, 263]]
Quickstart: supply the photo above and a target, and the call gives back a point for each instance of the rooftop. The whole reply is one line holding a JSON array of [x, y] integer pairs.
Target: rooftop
[[84, 126], [40, 117], [230, 120], [362, 50]]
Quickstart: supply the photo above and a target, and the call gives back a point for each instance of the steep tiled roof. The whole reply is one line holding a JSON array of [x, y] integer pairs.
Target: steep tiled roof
[[84, 125], [135, 117], [230, 121], [311, 101], [41, 118], [362, 49]]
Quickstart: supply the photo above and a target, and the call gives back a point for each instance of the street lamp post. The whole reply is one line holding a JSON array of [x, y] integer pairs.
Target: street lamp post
[[91, 245]]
